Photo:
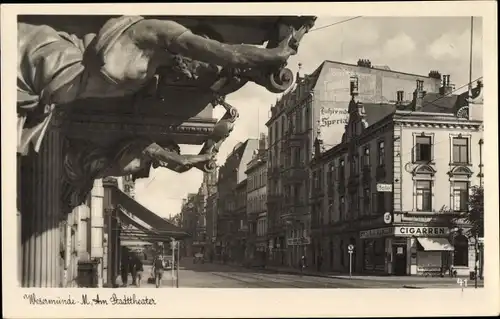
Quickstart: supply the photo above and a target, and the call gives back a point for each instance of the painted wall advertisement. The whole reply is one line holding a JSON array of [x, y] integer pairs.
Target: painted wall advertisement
[[332, 123]]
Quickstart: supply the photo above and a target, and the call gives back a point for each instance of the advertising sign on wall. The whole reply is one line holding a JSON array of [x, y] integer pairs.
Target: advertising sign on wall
[[376, 233]]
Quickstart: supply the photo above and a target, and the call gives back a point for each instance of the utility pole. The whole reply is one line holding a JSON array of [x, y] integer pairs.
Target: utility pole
[[481, 142], [178, 264], [173, 261], [470, 56]]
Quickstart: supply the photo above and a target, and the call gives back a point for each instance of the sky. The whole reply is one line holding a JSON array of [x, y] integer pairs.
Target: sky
[[407, 44]]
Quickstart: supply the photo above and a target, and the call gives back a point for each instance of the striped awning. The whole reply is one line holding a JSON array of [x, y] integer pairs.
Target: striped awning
[[143, 224]]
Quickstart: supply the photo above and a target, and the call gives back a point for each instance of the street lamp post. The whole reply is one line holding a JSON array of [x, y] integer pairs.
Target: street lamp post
[[476, 244], [476, 253]]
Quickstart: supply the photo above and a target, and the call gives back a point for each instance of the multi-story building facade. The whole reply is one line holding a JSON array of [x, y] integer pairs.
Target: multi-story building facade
[[213, 250], [257, 204], [395, 184], [317, 106], [231, 201], [194, 212], [190, 215]]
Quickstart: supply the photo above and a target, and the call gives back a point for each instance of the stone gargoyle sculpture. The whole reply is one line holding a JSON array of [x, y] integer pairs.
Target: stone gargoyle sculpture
[[84, 162], [142, 58]]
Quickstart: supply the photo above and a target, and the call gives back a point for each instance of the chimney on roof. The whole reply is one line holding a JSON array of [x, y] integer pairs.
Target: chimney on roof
[[434, 74], [297, 80], [418, 95], [400, 97], [262, 142], [365, 63], [354, 86], [446, 88]]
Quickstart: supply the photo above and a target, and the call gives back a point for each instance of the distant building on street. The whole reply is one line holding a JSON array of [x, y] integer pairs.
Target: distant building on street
[[191, 210], [257, 246], [392, 186], [213, 249], [194, 216], [318, 106], [231, 204]]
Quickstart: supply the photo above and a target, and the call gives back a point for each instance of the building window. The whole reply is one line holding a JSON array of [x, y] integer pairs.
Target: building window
[[381, 153], [307, 118], [460, 196], [424, 196], [354, 165], [380, 202], [460, 150], [329, 178], [461, 252], [366, 201], [330, 210], [341, 207], [342, 172], [283, 127], [366, 156], [423, 149]]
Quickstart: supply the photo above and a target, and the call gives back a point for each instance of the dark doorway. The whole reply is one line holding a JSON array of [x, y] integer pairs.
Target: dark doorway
[[399, 253]]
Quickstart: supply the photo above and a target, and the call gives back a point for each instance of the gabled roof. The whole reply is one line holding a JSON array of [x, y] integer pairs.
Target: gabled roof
[[375, 112], [437, 103]]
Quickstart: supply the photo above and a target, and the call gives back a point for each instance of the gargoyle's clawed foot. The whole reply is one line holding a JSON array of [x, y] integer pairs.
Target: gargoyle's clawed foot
[[207, 167], [279, 82]]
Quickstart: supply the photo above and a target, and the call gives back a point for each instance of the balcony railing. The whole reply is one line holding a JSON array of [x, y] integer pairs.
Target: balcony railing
[[274, 172], [366, 175], [294, 210], [380, 173], [295, 173]]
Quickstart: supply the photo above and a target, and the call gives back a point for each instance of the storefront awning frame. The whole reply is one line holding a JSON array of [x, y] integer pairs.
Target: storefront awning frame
[[435, 244]]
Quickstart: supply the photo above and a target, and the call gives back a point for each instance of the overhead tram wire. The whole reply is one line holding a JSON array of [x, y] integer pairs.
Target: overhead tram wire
[[315, 29], [335, 23], [429, 103]]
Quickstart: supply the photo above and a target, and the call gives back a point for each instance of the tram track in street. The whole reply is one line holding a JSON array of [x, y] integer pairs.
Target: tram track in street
[[259, 283]]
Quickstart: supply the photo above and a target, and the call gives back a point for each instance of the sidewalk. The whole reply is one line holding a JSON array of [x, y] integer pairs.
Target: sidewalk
[[410, 279], [166, 281]]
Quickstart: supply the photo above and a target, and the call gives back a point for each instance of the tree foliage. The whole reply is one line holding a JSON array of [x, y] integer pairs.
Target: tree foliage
[[175, 220], [475, 216]]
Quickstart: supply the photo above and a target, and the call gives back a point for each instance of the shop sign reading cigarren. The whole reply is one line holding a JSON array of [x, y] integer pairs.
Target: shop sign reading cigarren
[[405, 231], [421, 231]]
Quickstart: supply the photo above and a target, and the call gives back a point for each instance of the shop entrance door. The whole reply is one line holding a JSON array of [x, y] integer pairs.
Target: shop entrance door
[[399, 253]]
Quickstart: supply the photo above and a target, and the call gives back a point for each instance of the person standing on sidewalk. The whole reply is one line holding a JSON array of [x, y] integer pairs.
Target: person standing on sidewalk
[[159, 267]]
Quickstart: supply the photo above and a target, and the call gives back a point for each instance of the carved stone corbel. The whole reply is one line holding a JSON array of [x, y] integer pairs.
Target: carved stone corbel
[[220, 133]]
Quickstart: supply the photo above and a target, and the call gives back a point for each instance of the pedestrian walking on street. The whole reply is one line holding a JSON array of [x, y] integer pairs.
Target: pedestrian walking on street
[[132, 270], [138, 271], [124, 272], [320, 262], [159, 267], [302, 264]]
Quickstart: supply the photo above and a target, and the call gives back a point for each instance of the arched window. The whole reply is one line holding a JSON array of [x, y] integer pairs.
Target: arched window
[[460, 184], [423, 176], [461, 252]]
